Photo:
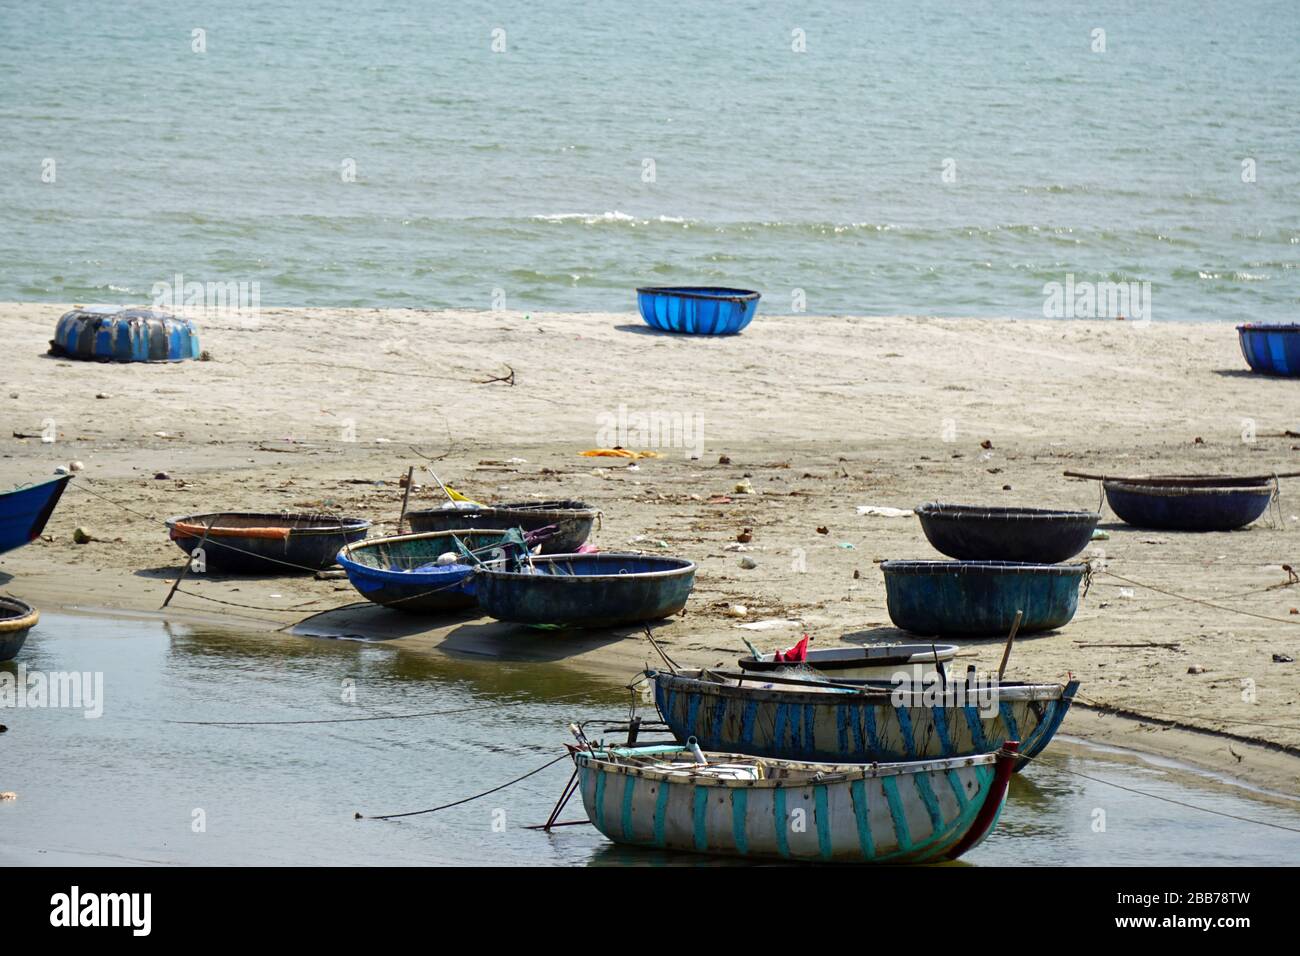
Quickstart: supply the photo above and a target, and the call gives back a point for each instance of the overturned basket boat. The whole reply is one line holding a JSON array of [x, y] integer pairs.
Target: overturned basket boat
[[16, 619], [587, 590], [856, 722], [876, 661], [916, 812], [125, 335], [1034, 535], [24, 511], [402, 572], [980, 598], [245, 542], [572, 519]]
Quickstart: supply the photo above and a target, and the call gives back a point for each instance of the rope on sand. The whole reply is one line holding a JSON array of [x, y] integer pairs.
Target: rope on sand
[[1204, 603]]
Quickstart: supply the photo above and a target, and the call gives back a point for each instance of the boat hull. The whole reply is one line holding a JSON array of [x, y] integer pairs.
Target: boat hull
[[1187, 508], [17, 618], [1271, 349], [236, 544], [25, 511], [588, 590], [846, 728], [572, 519], [697, 310], [1006, 534], [980, 598], [890, 813]]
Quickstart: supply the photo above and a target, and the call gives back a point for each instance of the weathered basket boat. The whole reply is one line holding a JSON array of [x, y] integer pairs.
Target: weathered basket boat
[[246, 542], [1271, 349], [842, 724], [697, 310], [587, 590], [402, 572], [24, 511], [1170, 504], [980, 598], [572, 519], [916, 812], [1034, 535], [125, 335], [876, 661], [16, 619]]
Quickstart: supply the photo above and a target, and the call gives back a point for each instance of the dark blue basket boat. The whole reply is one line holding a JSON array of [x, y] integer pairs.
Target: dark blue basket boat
[[571, 519], [980, 598], [244, 542], [401, 572], [125, 335], [24, 511], [587, 590], [16, 619], [1271, 349], [1169, 506], [1034, 535], [697, 310]]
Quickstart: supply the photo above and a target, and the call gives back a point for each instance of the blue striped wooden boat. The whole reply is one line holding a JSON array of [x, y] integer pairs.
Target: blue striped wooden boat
[[794, 723], [918, 812], [24, 511]]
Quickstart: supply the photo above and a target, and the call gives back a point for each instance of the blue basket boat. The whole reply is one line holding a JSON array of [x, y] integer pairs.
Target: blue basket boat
[[587, 590], [125, 335], [24, 511], [841, 724], [247, 542], [922, 811], [697, 310], [1033, 535], [16, 619], [1176, 503], [980, 598], [1271, 349], [402, 571]]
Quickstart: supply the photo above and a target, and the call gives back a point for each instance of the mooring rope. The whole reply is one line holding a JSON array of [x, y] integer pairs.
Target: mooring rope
[[1184, 597], [1156, 796], [350, 720], [448, 806], [1099, 705]]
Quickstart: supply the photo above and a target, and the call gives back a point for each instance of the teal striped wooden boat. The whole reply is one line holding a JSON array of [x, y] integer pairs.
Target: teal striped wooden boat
[[918, 812], [844, 726]]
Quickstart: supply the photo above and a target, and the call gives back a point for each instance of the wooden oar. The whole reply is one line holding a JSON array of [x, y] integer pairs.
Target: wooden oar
[[1006, 654]]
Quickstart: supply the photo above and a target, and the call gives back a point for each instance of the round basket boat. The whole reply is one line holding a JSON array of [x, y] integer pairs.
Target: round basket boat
[[697, 310], [587, 590], [1169, 506], [573, 519], [402, 571], [125, 335], [1033, 535], [245, 542], [1271, 349], [16, 619], [980, 598]]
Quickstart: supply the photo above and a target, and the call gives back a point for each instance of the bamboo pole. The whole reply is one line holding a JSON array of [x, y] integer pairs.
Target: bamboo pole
[[1006, 654]]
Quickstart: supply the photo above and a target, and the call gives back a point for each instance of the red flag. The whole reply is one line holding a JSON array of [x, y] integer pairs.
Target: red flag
[[794, 655]]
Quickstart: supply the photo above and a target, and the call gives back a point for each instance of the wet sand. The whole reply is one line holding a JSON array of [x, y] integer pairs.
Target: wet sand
[[325, 409]]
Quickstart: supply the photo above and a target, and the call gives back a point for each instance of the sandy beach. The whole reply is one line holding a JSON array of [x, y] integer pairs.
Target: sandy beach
[[324, 409]]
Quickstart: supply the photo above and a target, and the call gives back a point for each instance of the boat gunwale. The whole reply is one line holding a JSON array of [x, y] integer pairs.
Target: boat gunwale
[[341, 525], [345, 552], [715, 293], [1009, 691], [1188, 491], [687, 567], [25, 618], [834, 773], [938, 509], [918, 566]]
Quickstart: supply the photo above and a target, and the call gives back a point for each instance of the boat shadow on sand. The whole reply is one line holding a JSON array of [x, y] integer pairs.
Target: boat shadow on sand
[[458, 633]]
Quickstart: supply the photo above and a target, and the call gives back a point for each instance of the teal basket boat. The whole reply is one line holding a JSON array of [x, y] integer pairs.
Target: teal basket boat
[[697, 310]]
